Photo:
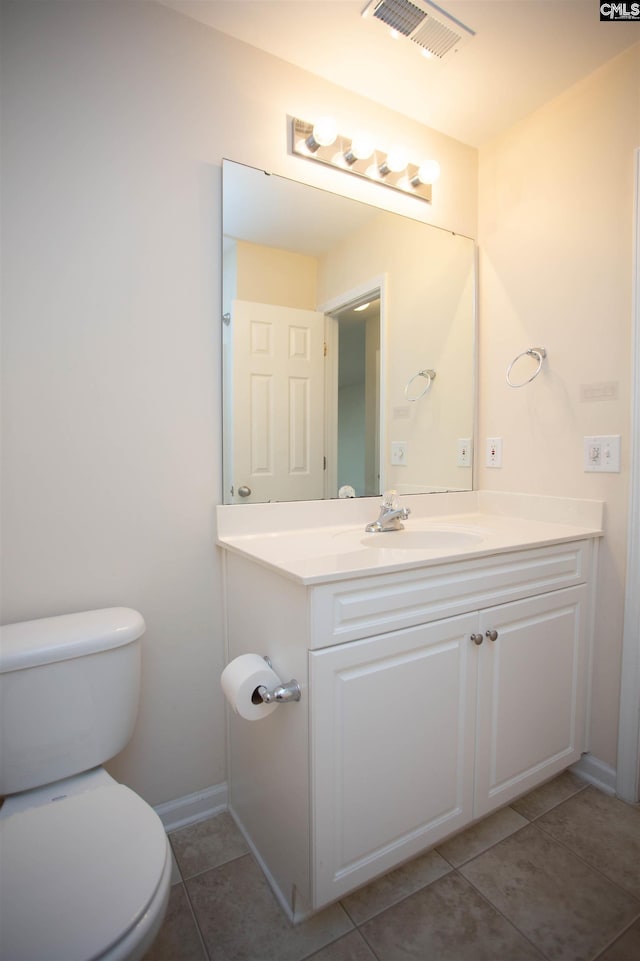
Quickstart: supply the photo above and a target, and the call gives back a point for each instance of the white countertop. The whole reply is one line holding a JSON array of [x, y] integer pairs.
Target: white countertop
[[315, 553]]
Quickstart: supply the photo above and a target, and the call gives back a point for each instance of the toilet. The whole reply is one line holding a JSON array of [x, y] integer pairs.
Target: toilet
[[85, 862]]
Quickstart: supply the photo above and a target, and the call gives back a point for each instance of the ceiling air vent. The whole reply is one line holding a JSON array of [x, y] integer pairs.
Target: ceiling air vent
[[436, 32]]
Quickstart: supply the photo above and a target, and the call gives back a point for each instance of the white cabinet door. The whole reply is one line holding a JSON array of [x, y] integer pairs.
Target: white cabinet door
[[392, 745], [531, 694]]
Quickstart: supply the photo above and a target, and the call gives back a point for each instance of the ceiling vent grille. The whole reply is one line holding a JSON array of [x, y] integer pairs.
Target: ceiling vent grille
[[400, 15], [436, 32]]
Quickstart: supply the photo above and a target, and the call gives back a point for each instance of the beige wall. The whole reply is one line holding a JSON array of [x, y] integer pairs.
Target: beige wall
[[116, 118], [555, 234], [270, 276]]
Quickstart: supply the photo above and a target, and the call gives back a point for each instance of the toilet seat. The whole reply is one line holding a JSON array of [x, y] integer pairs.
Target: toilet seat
[[78, 874]]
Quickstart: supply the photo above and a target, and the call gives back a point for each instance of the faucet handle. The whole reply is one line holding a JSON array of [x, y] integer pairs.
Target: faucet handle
[[390, 500]]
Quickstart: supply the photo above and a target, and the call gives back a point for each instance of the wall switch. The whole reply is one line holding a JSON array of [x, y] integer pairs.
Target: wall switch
[[399, 453], [494, 452], [602, 454], [464, 452]]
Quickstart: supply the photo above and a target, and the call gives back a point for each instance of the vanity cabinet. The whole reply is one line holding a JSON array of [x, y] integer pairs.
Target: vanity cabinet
[[417, 732], [430, 697]]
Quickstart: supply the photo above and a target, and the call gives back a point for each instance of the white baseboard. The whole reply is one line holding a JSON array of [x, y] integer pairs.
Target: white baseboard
[[193, 807], [596, 772]]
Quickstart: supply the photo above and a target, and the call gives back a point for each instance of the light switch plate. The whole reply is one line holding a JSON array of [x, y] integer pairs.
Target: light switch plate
[[602, 454], [399, 453]]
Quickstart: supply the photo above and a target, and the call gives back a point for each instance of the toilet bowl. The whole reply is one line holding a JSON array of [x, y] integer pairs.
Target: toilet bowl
[[85, 872], [86, 863]]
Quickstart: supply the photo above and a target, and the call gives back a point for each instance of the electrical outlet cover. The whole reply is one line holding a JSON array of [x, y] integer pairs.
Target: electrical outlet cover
[[494, 452], [464, 452], [602, 454]]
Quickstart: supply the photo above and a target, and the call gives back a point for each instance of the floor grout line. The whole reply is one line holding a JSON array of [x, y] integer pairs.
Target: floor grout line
[[592, 867], [615, 939], [203, 943], [534, 822], [503, 915]]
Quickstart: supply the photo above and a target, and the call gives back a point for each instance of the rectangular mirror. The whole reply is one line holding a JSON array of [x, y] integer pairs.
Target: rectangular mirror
[[348, 346]]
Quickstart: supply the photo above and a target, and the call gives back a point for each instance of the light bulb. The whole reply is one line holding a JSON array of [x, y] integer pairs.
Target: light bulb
[[362, 146], [325, 131], [428, 173], [396, 161]]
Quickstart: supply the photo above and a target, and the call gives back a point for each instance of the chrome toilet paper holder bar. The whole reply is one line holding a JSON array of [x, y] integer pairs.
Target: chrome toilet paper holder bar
[[281, 694]]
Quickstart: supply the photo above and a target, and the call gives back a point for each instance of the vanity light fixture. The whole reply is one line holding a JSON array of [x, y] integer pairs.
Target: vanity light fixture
[[361, 148], [358, 155], [323, 134], [395, 162], [427, 173]]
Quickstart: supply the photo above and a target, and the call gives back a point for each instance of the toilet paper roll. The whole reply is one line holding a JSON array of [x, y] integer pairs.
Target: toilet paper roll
[[240, 679]]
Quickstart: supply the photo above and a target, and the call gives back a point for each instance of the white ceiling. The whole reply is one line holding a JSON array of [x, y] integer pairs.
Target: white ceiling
[[524, 53]]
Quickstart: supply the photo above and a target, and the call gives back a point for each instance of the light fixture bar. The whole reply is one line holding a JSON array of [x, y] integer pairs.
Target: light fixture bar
[[378, 167]]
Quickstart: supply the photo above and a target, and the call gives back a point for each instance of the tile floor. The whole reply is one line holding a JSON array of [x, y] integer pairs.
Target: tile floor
[[555, 876]]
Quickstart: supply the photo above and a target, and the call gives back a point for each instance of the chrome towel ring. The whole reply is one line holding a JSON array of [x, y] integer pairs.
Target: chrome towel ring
[[538, 352], [430, 376]]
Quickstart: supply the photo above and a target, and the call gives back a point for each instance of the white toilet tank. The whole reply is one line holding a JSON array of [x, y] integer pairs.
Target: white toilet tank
[[69, 689]]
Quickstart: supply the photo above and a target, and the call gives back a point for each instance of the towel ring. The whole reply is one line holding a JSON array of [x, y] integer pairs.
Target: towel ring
[[538, 352], [429, 374]]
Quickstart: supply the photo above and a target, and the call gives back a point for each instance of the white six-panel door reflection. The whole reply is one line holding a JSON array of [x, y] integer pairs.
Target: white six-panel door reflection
[[278, 398]]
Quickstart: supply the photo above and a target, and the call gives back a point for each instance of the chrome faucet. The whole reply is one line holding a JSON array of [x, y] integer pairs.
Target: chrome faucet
[[391, 516]]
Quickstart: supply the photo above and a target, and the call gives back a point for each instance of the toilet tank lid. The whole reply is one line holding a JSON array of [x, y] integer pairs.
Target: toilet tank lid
[[49, 639]]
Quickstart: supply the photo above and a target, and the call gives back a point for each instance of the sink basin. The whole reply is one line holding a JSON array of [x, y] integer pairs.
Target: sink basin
[[426, 540]]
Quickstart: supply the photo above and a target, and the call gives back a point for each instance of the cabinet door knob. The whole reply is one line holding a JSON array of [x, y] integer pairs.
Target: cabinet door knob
[[477, 639], [492, 635]]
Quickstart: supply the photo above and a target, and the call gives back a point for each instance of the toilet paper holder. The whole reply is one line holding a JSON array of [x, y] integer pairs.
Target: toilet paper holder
[[282, 693]]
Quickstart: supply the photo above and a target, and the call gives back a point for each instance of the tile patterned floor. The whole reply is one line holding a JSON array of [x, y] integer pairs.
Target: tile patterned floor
[[553, 877]]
